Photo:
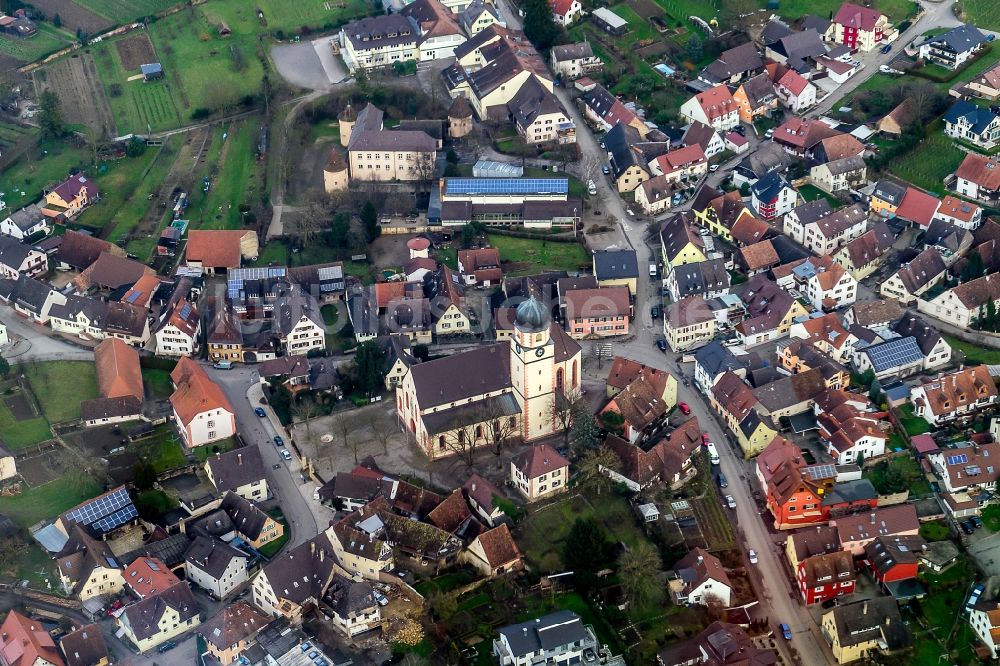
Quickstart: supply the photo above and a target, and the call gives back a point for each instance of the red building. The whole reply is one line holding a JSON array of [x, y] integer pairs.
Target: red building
[[826, 577], [894, 558], [794, 490]]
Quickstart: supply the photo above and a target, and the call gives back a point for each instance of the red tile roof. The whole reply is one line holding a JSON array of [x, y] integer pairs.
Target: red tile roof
[[118, 371], [215, 248], [793, 82], [717, 102], [149, 575], [499, 546], [918, 206], [960, 210], [538, 460], [24, 641], [981, 170], [852, 16], [195, 392]]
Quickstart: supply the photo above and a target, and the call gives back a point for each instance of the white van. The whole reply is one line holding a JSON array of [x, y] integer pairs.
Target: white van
[[713, 453], [591, 188]]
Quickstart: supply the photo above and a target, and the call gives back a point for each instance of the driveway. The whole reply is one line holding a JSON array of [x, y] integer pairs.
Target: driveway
[[309, 64], [33, 342]]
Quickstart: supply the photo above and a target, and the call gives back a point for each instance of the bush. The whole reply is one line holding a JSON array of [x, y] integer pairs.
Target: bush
[[200, 113], [157, 363], [115, 90]]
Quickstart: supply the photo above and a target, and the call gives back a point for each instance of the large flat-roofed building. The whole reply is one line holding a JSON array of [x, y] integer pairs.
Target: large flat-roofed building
[[504, 190], [539, 203]]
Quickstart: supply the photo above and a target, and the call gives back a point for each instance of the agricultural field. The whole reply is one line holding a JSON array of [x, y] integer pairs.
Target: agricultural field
[[76, 82], [125, 11], [931, 162], [74, 16], [48, 40], [983, 14], [237, 177], [137, 105], [280, 15], [119, 180]]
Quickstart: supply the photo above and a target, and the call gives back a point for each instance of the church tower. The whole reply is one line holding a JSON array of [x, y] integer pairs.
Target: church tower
[[532, 355]]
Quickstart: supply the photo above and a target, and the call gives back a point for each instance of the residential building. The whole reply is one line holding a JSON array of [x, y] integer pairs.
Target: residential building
[[962, 214], [918, 207], [379, 42], [936, 350], [827, 335], [770, 311], [978, 177], [772, 196], [824, 577], [850, 433], [148, 576], [755, 98], [807, 543], [230, 631], [179, 328], [796, 134], [616, 268], [495, 553], [353, 604], [559, 637], [440, 32], [156, 619], [566, 12], [240, 471], [215, 566], [201, 410], [85, 646], [858, 530], [986, 85], [683, 164], [713, 361], [954, 395], [26, 222], [606, 111], [848, 173], [688, 323], [865, 628], [733, 65], [72, 196], [30, 298], [954, 47], [539, 116], [795, 91], [914, 279], [863, 255], [706, 137], [602, 312], [642, 404], [311, 565], [824, 235], [862, 28], [894, 559], [900, 356], [17, 259], [714, 107], [976, 124], [701, 579], [720, 643], [26, 642], [794, 491], [482, 495], [571, 61], [217, 251], [478, 16], [539, 472], [760, 257], [670, 460], [706, 278], [680, 244], [654, 195], [719, 213]]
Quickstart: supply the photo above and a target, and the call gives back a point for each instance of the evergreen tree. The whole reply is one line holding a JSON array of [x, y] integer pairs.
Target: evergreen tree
[[368, 365], [539, 25], [694, 49], [586, 551], [369, 221], [974, 267], [584, 434], [50, 116]]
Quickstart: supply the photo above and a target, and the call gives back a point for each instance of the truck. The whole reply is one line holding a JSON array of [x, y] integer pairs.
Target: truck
[[652, 269], [223, 365]]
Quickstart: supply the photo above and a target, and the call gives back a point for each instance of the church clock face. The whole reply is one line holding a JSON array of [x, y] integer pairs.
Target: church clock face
[[517, 347], [540, 352]]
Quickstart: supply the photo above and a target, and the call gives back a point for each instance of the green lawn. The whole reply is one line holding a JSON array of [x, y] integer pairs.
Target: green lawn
[[991, 517], [913, 424], [20, 434], [60, 386], [289, 17], [907, 466], [974, 353], [47, 41], [812, 193], [532, 256], [935, 530], [138, 106], [46, 501], [238, 178], [43, 165], [158, 381], [444, 583], [203, 452], [163, 450], [639, 28], [123, 11], [896, 10], [931, 162], [984, 14]]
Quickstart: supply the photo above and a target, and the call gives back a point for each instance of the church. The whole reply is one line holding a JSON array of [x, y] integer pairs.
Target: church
[[450, 401]]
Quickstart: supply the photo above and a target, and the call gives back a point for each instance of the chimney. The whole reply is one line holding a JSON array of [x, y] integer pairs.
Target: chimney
[[700, 559], [312, 547], [864, 609], [322, 554], [888, 620], [239, 458]]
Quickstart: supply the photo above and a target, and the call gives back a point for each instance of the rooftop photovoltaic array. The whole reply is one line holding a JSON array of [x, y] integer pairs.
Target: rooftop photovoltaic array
[[104, 514], [895, 353], [959, 459], [237, 277], [186, 311], [821, 471], [501, 186]]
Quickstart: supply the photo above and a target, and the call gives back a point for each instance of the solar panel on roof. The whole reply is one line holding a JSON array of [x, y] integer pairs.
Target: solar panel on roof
[[105, 513], [506, 185], [186, 311], [133, 297], [958, 459], [895, 353]]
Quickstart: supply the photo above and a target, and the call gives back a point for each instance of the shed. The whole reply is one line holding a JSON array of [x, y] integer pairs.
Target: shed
[[151, 71], [648, 512], [608, 21]]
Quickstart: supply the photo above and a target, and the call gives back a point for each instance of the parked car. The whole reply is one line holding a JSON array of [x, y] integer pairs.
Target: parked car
[[655, 312], [166, 647], [713, 454], [967, 526], [753, 556], [886, 48], [223, 365], [713, 168], [286, 454], [769, 133], [730, 501], [705, 441], [684, 407], [606, 170], [721, 479], [259, 411], [380, 598], [786, 631], [662, 344], [278, 441], [976, 521]]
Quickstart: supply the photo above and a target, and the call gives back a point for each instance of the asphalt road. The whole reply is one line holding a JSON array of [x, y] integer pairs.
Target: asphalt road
[[32, 342], [283, 476]]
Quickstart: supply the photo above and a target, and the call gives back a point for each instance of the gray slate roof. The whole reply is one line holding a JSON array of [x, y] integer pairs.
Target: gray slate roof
[[616, 264], [545, 633]]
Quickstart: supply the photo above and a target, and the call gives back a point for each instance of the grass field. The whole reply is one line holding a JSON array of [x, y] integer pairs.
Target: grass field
[[238, 177], [535, 255], [124, 11], [60, 386], [931, 162], [20, 434], [974, 353], [914, 425], [241, 16], [42, 165], [896, 10], [639, 28], [48, 40], [119, 182], [158, 381], [984, 14], [46, 501], [163, 450], [142, 105]]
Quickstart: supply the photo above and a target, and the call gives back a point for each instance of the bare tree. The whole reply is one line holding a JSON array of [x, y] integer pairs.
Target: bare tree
[[593, 468], [739, 13], [563, 411], [589, 166], [462, 442], [499, 429], [305, 410], [381, 430], [425, 169], [11, 550], [638, 569], [344, 427], [316, 215], [80, 470]]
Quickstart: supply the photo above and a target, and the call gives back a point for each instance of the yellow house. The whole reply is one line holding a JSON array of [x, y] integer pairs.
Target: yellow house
[[721, 213], [688, 323], [231, 630], [754, 434], [857, 630], [679, 242], [85, 567], [616, 268], [159, 617], [885, 198]]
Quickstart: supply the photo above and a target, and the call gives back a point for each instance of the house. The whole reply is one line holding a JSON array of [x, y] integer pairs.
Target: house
[[772, 196], [602, 312], [796, 134], [847, 173], [760, 257], [71, 196], [899, 119], [77, 250], [240, 471], [480, 267], [606, 111], [874, 314], [986, 85], [825, 283], [965, 303], [936, 350], [914, 279], [720, 643], [719, 213], [30, 298], [954, 395], [688, 323], [737, 404], [858, 530], [839, 71], [954, 47], [683, 164], [827, 576], [378, 154], [147, 576], [353, 604], [156, 619], [962, 214], [861, 28], [863, 255], [706, 137], [299, 576], [110, 272], [669, 461], [571, 61], [770, 311], [966, 470], [439, 26], [379, 42], [230, 631], [475, 18], [714, 107], [119, 384], [481, 496], [976, 124], [217, 251], [179, 329], [733, 65], [865, 628], [849, 432], [654, 195], [565, 12], [797, 393], [539, 472], [894, 559], [17, 258], [796, 50], [900, 356], [614, 268], [713, 361], [701, 579], [643, 403], [27, 642], [85, 646], [795, 91], [201, 410], [755, 98], [917, 207], [806, 543], [705, 278], [25, 223], [822, 231], [794, 491], [827, 335], [539, 115], [607, 20], [798, 357], [978, 177], [494, 553], [87, 567], [559, 637], [215, 566]]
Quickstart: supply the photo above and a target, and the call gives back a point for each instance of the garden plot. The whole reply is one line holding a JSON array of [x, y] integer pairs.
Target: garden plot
[[76, 82], [124, 11], [42, 466], [21, 425], [74, 16], [134, 51]]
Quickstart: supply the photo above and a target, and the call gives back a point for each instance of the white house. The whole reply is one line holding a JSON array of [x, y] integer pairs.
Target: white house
[[829, 286], [984, 618], [215, 566], [25, 222], [700, 579], [954, 395], [202, 412], [714, 107], [953, 48], [978, 125], [539, 472], [566, 11], [795, 91], [178, 331], [17, 258]]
